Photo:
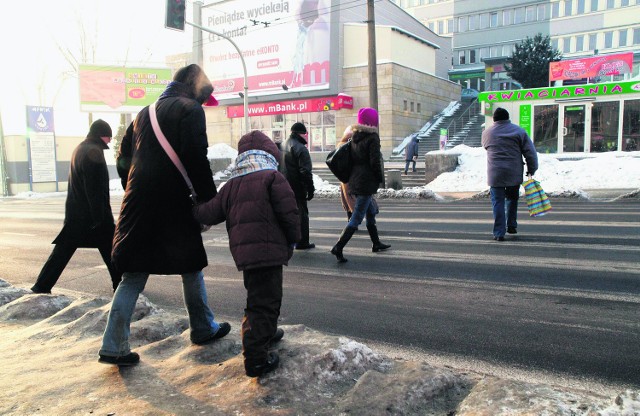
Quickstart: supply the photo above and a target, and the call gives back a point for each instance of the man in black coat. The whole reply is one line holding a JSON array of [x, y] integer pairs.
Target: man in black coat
[[88, 219], [298, 167], [156, 231]]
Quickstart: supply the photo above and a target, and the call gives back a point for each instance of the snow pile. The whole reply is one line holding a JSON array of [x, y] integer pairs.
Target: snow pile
[[318, 373], [221, 151]]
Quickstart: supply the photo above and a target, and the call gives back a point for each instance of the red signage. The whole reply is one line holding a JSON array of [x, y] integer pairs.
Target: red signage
[[311, 105], [591, 67]]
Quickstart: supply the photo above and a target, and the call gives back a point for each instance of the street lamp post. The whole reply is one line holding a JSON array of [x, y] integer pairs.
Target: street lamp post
[[244, 69]]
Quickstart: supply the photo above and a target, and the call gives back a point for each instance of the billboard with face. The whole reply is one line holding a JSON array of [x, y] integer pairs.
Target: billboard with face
[[283, 43]]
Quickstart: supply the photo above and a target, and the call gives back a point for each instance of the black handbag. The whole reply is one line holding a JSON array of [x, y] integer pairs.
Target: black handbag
[[339, 162]]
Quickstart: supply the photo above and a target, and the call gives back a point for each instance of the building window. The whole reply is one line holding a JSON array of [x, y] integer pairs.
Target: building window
[[624, 3], [473, 22], [462, 24], [622, 38], [472, 56], [461, 59], [566, 42], [594, 5], [406, 105], [529, 14], [519, 15], [604, 126], [554, 43], [611, 4], [496, 51], [449, 25], [418, 107], [580, 7], [493, 19], [636, 36], [593, 41], [440, 27], [568, 6], [484, 53], [484, 20], [608, 40], [579, 43], [507, 17], [555, 10], [431, 27], [542, 12], [412, 106], [631, 126]]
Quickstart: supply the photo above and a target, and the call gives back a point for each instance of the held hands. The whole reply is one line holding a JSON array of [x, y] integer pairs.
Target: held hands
[[309, 196], [415, 158]]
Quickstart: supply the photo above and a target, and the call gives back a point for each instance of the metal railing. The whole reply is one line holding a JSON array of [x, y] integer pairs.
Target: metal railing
[[458, 124]]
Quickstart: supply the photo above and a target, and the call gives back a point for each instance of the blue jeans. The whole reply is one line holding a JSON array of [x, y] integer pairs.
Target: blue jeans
[[115, 341], [363, 208], [406, 165], [504, 216]]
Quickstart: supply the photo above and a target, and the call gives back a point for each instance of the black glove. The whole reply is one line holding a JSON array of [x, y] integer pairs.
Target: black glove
[[309, 196]]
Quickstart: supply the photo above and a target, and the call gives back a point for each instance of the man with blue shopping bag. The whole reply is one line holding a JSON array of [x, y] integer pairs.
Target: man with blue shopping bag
[[507, 145]]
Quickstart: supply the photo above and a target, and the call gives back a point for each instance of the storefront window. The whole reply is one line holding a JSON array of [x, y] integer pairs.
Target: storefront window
[[604, 126], [545, 133], [631, 126]]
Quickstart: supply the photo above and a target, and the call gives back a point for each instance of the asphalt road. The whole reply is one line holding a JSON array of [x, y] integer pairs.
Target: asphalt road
[[561, 297]]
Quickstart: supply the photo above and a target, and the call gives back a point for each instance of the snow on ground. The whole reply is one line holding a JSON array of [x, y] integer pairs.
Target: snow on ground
[[49, 346]]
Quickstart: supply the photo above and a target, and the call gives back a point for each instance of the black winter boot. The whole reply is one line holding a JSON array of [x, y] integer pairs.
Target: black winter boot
[[346, 235], [377, 245]]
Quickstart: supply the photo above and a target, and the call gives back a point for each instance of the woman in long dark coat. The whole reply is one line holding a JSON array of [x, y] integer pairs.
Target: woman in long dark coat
[[156, 232], [88, 220]]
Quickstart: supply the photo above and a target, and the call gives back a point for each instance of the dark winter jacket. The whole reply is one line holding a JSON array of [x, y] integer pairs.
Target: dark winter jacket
[[411, 150], [298, 166], [259, 208], [88, 218], [506, 144], [366, 159], [156, 232]]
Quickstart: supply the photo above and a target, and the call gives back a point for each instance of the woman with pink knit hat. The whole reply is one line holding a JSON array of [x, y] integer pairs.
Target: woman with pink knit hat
[[366, 175]]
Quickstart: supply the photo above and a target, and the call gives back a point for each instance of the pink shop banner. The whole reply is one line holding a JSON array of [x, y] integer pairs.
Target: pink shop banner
[[597, 66], [311, 105]]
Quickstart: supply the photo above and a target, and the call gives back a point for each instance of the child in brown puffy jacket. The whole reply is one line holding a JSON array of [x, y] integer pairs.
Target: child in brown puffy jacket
[[261, 216]]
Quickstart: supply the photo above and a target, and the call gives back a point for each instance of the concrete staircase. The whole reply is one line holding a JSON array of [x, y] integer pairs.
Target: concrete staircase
[[463, 122]]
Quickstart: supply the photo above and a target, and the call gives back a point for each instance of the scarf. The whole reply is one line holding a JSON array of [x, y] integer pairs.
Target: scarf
[[253, 161]]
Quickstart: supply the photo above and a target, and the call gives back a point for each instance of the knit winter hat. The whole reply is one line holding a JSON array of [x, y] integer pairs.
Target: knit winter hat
[[500, 114], [368, 117], [100, 128], [298, 128], [257, 140]]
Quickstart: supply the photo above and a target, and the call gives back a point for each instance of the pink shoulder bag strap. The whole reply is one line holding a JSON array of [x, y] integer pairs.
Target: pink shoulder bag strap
[[169, 150]]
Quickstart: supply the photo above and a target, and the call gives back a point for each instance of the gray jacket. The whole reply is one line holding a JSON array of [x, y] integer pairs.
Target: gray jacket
[[506, 145]]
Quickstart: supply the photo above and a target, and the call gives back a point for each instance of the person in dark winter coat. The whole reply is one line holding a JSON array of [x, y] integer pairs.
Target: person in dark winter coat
[[156, 232], [261, 214], [88, 218], [298, 172], [366, 175], [411, 154], [506, 145]]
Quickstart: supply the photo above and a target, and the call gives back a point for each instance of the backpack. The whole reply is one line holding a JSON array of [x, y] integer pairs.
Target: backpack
[[339, 162]]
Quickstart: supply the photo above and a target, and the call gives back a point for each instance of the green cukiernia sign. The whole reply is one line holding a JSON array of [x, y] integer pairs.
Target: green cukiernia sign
[[564, 92]]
